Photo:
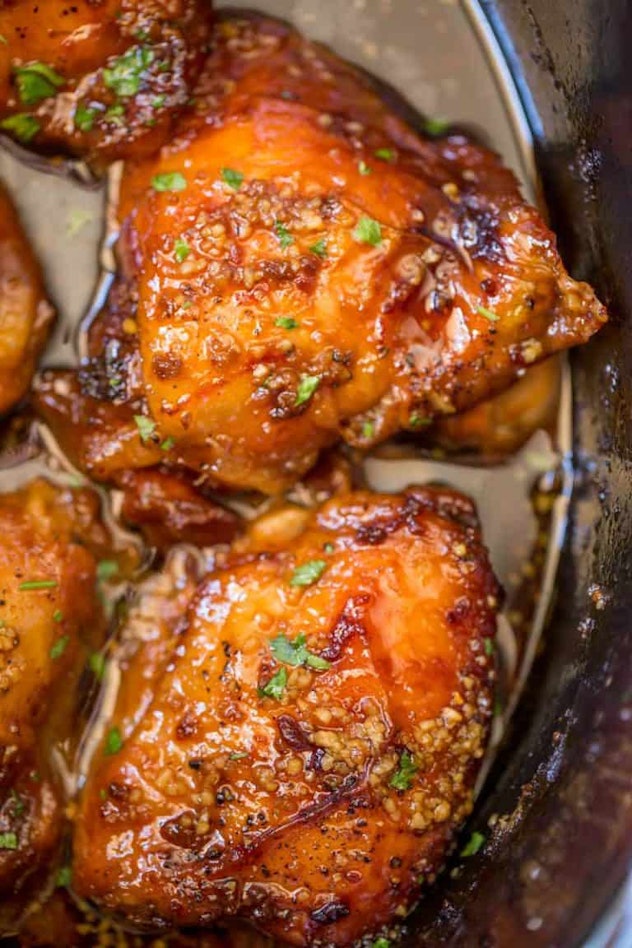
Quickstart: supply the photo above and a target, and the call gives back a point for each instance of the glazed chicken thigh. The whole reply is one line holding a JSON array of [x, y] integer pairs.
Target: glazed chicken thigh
[[97, 79], [301, 266], [299, 751], [26, 315], [49, 617]]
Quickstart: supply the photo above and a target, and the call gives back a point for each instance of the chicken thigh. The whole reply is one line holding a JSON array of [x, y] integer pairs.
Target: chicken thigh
[[299, 751], [26, 315], [49, 617], [300, 266], [98, 79]]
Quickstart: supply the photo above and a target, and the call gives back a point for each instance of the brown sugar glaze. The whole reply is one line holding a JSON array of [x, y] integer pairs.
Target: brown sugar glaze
[[531, 488]]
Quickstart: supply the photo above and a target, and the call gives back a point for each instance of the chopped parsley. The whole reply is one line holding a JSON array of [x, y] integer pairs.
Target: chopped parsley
[[181, 250], [295, 652], [489, 646], [474, 843], [37, 584], [115, 114], [146, 427], [237, 755], [167, 444], [286, 322], [406, 770], [59, 647], [368, 231], [381, 943], [487, 313], [308, 573], [96, 664], [306, 387], [436, 126], [36, 81], [385, 154], [368, 429], [158, 101], [364, 169], [418, 421], [106, 569], [58, 615], [319, 248], [18, 803], [275, 687], [126, 72], [64, 877], [23, 126], [234, 179], [328, 547], [169, 181], [8, 841], [285, 238], [84, 117], [113, 741]]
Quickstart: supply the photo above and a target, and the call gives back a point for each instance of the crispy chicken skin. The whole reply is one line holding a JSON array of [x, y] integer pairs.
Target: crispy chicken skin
[[501, 425], [100, 79], [26, 315], [304, 267], [49, 615], [299, 751]]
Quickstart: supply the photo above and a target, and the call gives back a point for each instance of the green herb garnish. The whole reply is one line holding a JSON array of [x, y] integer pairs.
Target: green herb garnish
[[8, 841], [319, 248], [275, 687], [18, 803], [487, 313], [436, 126], [84, 117], [368, 429], [306, 387], [308, 573], [37, 81], [59, 647], [286, 322], [181, 250], [285, 237], [106, 569], [64, 877], [489, 646], [403, 776], [126, 72], [368, 231], [385, 154], [295, 652], [474, 843], [364, 169], [167, 444], [234, 179], [37, 584], [113, 741], [146, 427], [169, 181], [418, 421], [58, 615], [23, 126], [96, 663]]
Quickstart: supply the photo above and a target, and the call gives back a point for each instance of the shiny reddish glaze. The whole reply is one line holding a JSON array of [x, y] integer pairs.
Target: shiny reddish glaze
[[226, 802]]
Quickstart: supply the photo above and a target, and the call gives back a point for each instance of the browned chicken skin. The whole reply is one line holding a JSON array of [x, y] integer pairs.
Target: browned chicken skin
[[303, 267], [299, 751], [26, 315], [100, 79], [49, 617], [500, 426]]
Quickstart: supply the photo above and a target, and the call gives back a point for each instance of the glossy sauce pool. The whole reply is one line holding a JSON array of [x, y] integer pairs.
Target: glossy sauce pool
[[442, 57]]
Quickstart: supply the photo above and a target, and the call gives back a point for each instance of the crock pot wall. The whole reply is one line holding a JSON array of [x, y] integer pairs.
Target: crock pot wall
[[559, 852]]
